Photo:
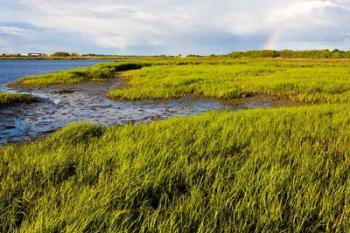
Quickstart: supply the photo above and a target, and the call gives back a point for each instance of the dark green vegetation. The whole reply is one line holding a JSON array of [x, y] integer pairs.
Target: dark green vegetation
[[12, 98], [263, 170], [337, 54], [63, 54]]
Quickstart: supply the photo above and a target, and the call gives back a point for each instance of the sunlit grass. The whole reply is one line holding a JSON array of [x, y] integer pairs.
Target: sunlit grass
[[98, 72], [218, 77], [14, 98], [284, 170], [263, 170], [312, 82]]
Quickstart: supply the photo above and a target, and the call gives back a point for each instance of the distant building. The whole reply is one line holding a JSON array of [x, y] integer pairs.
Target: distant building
[[36, 54], [24, 54]]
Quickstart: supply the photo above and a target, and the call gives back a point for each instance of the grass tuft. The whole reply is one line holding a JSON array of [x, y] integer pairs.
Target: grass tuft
[[77, 133], [7, 99]]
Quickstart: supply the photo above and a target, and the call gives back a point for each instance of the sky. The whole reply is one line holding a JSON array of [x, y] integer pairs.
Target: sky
[[149, 27]]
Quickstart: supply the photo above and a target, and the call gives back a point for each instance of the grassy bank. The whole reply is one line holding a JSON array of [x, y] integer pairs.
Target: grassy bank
[[218, 77], [14, 98], [276, 170], [311, 82], [98, 72]]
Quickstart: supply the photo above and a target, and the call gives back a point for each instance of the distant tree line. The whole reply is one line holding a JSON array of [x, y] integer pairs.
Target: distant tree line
[[64, 54], [326, 53]]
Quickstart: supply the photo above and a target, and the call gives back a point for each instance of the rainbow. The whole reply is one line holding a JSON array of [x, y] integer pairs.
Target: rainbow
[[271, 41]]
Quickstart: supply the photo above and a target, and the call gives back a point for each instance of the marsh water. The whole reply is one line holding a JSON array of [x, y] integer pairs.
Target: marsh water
[[11, 70], [60, 105]]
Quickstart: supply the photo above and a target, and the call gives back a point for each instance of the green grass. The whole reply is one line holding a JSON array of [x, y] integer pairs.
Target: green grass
[[310, 82], [14, 98], [214, 77], [103, 71], [98, 72], [263, 170], [274, 170]]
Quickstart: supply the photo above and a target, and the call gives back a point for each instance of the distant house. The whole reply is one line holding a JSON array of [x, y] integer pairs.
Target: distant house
[[36, 54]]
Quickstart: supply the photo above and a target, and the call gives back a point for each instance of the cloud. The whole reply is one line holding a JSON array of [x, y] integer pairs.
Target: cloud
[[176, 26], [14, 31], [18, 37]]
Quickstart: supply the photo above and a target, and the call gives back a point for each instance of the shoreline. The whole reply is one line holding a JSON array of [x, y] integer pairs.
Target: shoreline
[[58, 58]]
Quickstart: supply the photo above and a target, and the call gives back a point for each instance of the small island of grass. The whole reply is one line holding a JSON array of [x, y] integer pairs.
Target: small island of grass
[[98, 72], [7, 99]]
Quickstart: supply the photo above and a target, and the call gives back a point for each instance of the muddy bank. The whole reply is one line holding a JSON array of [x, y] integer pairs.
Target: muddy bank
[[60, 105]]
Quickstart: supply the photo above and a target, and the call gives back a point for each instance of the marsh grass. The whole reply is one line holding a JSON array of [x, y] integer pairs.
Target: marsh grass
[[263, 170], [98, 72], [214, 77], [7, 99], [275, 170], [310, 82]]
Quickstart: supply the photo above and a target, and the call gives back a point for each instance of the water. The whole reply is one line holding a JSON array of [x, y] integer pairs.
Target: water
[[11, 70], [62, 105]]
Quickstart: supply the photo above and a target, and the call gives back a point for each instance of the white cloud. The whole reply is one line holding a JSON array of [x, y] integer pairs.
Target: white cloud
[[302, 8], [178, 25], [14, 31]]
